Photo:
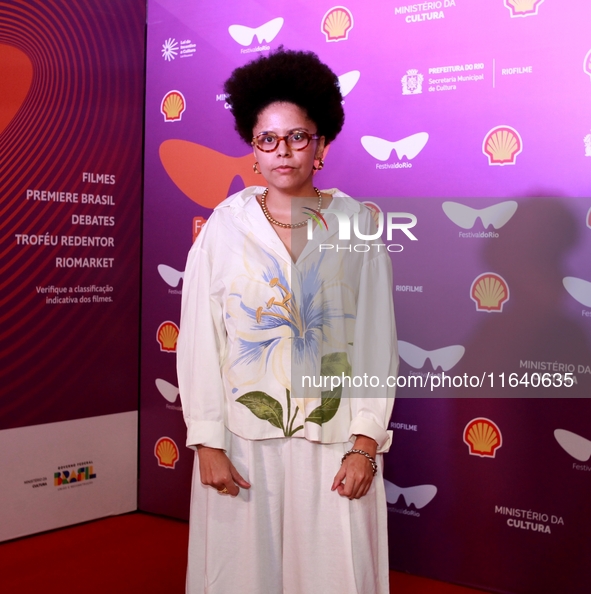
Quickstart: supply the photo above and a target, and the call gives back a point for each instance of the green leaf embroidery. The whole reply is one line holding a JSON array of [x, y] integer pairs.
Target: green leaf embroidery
[[264, 407], [267, 408], [334, 364], [290, 430], [331, 399]]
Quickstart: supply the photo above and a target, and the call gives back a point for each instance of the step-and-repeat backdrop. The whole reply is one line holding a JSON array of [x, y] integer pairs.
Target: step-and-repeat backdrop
[[473, 118], [71, 107]]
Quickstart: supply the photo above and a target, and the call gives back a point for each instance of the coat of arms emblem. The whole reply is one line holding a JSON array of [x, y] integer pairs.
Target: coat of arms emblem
[[412, 82]]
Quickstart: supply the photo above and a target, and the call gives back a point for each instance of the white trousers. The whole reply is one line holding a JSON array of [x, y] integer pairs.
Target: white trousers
[[289, 533]]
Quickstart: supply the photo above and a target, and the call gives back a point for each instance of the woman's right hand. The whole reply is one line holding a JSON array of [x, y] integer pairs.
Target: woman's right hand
[[218, 472]]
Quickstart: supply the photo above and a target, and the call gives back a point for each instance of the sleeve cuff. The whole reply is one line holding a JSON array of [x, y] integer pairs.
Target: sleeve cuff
[[208, 433], [369, 428]]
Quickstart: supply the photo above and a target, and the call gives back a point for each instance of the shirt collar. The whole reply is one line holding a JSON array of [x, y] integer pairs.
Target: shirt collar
[[247, 211]]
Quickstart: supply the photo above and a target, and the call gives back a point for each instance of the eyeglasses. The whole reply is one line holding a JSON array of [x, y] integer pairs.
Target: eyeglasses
[[297, 140]]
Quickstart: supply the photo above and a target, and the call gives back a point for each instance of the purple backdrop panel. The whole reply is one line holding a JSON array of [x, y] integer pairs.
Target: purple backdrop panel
[[486, 481], [70, 187], [490, 521], [504, 286], [483, 106]]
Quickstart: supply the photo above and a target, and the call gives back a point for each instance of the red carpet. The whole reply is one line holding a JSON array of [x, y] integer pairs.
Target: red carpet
[[134, 553]]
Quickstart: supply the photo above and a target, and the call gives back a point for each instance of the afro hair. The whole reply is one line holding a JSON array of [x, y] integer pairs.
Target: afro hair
[[291, 76]]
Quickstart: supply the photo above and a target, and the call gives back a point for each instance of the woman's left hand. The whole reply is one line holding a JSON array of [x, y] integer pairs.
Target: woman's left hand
[[355, 475]]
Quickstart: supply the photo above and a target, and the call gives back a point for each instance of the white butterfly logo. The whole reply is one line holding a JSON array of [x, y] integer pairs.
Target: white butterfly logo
[[170, 275], [579, 289], [445, 357], [167, 390], [267, 32], [418, 496], [587, 63], [575, 445], [465, 216], [408, 147], [347, 81]]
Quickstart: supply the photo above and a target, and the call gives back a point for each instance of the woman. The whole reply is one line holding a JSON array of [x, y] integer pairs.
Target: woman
[[276, 312]]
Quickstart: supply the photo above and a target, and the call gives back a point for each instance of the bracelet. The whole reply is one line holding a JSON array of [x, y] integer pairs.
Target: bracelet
[[371, 459]]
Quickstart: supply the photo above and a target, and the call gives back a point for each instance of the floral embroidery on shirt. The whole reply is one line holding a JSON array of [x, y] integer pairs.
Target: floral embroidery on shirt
[[269, 409], [305, 321], [286, 331]]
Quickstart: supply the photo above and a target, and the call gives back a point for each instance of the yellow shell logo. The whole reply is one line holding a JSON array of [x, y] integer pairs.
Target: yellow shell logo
[[167, 335], [337, 23], [502, 145], [172, 106], [489, 291], [167, 452], [482, 437], [523, 8]]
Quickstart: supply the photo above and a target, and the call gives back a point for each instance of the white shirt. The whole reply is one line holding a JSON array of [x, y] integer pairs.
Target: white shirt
[[260, 333]]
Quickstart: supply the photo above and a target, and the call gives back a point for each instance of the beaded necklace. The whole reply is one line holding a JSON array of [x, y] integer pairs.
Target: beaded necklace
[[279, 223]]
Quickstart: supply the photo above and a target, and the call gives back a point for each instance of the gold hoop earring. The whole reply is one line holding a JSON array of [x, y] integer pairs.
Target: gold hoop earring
[[320, 165], [255, 168]]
